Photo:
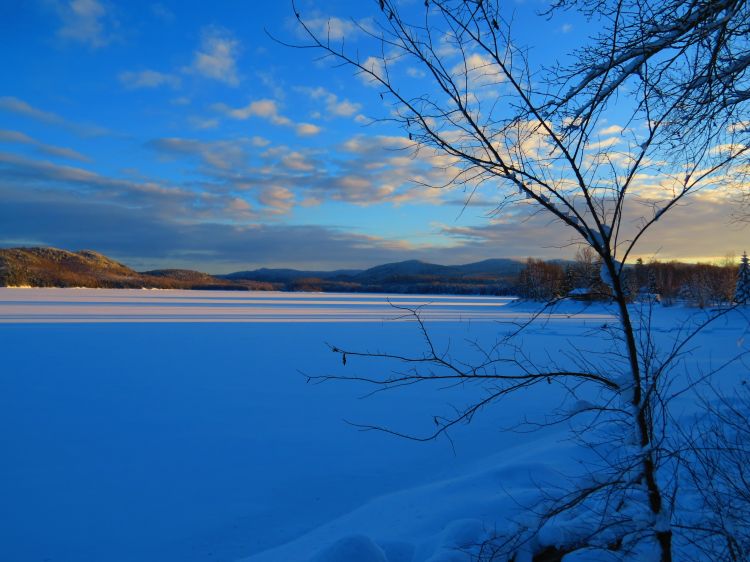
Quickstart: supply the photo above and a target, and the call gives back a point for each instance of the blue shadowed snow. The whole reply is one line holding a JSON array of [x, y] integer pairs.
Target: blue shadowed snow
[[200, 440]]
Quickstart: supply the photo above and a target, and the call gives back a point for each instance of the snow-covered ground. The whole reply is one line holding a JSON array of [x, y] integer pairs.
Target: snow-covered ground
[[170, 425]]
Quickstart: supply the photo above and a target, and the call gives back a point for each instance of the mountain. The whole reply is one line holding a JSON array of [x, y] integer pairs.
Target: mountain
[[286, 275], [495, 276], [415, 269], [50, 267], [402, 270], [498, 266]]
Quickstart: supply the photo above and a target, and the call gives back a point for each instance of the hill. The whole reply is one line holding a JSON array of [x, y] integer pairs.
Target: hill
[[51, 267]]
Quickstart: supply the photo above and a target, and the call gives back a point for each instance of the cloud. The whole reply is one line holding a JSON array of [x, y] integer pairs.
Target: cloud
[[135, 80], [272, 84], [363, 170], [307, 129], [47, 149], [566, 27], [374, 68], [216, 58], [20, 107], [267, 109], [239, 210], [278, 198], [85, 21], [192, 203], [481, 72], [222, 155], [297, 162], [226, 216], [202, 123], [611, 130], [332, 28], [701, 227], [159, 235], [47, 182], [157, 239], [333, 106]]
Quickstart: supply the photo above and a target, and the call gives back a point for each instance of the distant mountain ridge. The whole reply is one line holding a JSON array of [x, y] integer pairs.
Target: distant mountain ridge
[[495, 276], [282, 275], [51, 267]]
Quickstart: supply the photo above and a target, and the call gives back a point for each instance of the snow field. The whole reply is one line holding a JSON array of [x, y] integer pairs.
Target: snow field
[[201, 440]]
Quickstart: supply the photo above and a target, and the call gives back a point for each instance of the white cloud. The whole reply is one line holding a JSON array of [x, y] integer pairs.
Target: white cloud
[[264, 108], [447, 46], [364, 171], [566, 27], [216, 58], [611, 130], [374, 68], [267, 109], [85, 21], [148, 79], [334, 106], [480, 72], [332, 28], [297, 162], [307, 129], [344, 108]]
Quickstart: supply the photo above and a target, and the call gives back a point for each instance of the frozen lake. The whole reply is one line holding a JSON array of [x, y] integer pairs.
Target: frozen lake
[[178, 425], [125, 305]]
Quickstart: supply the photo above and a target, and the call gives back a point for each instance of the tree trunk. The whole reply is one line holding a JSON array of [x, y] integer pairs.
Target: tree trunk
[[640, 405]]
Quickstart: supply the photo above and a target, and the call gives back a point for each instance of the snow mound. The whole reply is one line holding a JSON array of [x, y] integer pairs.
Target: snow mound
[[458, 539], [591, 555], [355, 547], [442, 521]]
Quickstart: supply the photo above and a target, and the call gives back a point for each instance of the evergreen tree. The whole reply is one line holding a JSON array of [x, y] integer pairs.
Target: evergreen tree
[[569, 280], [653, 287], [742, 289]]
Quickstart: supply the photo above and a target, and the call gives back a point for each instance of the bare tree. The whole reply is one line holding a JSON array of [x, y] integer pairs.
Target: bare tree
[[717, 462], [690, 59], [678, 70]]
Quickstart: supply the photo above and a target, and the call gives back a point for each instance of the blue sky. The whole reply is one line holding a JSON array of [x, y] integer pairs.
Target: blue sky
[[179, 134]]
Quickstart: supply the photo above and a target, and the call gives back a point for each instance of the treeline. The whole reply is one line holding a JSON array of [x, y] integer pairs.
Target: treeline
[[700, 284], [413, 285]]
